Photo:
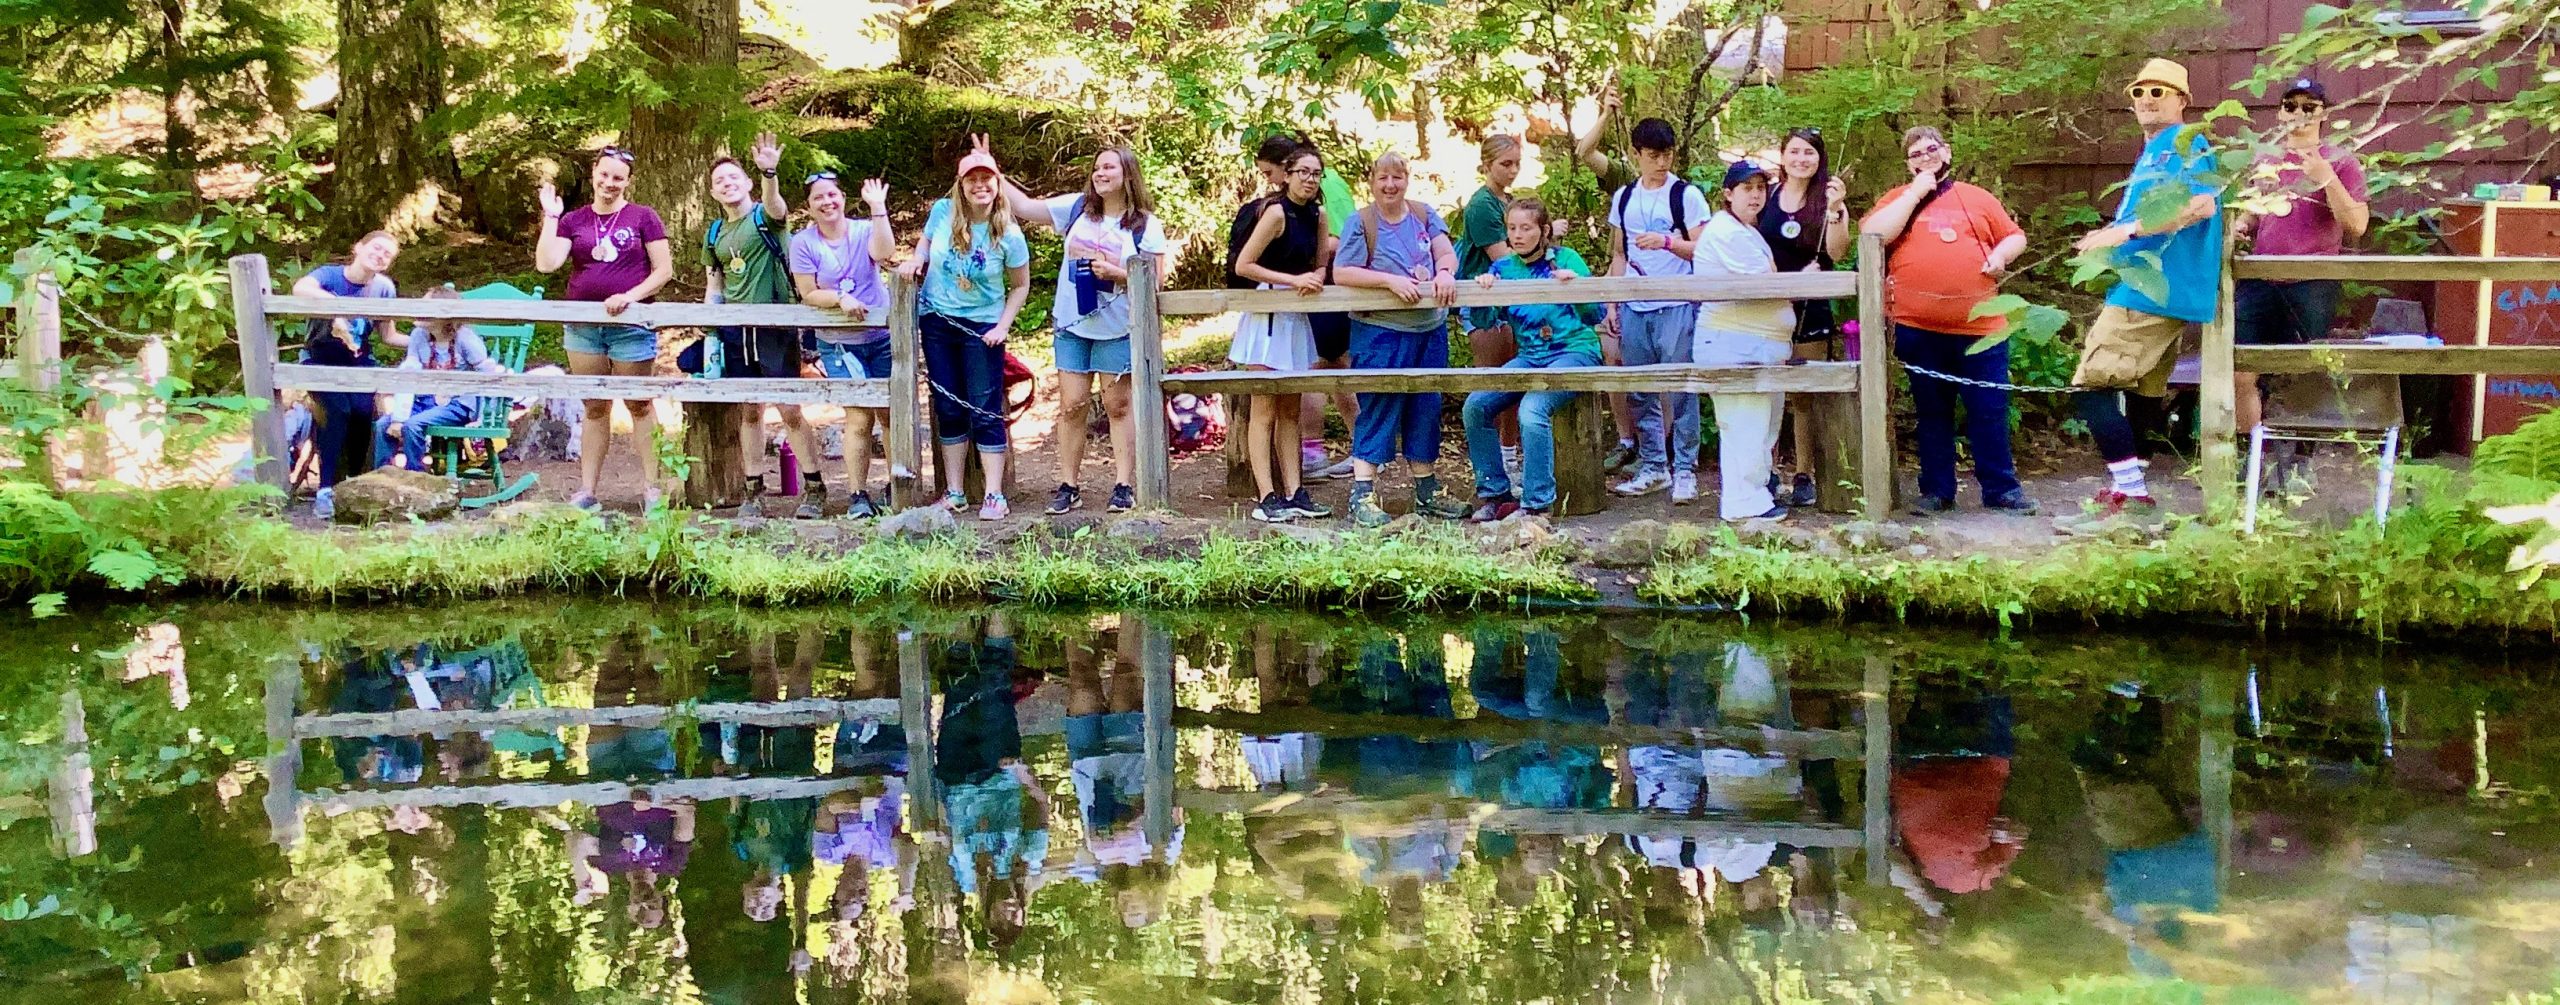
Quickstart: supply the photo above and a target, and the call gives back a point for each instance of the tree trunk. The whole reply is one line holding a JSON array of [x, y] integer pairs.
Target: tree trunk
[[178, 123], [718, 478], [394, 172]]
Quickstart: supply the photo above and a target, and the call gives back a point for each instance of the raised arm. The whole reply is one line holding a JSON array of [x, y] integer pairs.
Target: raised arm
[[551, 249], [1893, 216], [768, 158], [1586, 147], [1028, 210], [884, 243]]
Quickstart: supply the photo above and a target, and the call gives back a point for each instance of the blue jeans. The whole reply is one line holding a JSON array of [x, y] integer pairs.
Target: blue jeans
[[413, 432], [1667, 335], [1386, 419], [1537, 434], [961, 363], [1986, 411]]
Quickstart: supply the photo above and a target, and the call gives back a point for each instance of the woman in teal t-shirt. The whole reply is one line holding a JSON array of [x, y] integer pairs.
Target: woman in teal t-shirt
[[977, 273], [1549, 335]]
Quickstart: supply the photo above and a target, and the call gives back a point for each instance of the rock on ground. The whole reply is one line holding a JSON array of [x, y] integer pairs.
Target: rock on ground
[[918, 522], [389, 493]]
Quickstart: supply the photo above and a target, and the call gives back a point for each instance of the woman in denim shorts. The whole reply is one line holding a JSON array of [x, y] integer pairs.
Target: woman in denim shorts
[[617, 253], [835, 262]]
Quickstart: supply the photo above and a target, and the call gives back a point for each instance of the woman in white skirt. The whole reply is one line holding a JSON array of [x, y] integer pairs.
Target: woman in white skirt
[[1285, 251], [1743, 333]]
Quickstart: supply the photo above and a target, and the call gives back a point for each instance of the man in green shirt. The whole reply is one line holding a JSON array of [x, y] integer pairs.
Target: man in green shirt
[[742, 263]]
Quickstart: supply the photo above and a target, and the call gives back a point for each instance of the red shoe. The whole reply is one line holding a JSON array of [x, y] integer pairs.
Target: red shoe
[[2110, 510], [1493, 510]]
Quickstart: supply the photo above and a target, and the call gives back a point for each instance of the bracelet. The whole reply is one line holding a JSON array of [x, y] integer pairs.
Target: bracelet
[[768, 172]]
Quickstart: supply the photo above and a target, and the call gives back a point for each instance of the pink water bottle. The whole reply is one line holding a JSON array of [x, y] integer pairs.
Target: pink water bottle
[[790, 470]]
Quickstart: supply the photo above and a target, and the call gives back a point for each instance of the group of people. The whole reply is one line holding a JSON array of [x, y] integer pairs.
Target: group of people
[[1948, 243]]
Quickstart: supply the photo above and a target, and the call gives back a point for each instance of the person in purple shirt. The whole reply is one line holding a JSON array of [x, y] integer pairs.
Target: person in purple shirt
[[617, 253], [2320, 206], [835, 262], [644, 843]]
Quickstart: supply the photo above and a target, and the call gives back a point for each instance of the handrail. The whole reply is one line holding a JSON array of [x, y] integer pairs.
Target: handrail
[[2379, 359], [1604, 289], [2394, 268], [1683, 378], [584, 312], [852, 392]]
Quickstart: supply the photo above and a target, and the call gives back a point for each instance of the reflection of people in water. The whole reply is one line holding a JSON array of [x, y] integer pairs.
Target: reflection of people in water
[[639, 840], [1948, 781], [373, 684], [771, 835], [627, 674], [1283, 761], [2158, 864], [1532, 774], [1396, 680], [998, 814], [1106, 751]]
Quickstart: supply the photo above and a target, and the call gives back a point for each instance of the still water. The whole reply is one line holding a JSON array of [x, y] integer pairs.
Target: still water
[[601, 803]]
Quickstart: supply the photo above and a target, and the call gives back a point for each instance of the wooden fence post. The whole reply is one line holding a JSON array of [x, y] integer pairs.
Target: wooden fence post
[[1875, 403], [915, 717], [283, 801], [906, 434], [2217, 398], [257, 337], [1146, 386], [1155, 661], [1877, 820]]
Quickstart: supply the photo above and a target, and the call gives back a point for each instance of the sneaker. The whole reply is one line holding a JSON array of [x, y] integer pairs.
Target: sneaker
[[2016, 503], [1064, 499], [1494, 509], [1802, 493], [1366, 512], [585, 501], [1337, 470], [813, 505], [1622, 457], [1304, 504], [860, 507], [1645, 483], [994, 508], [1775, 513], [1123, 499], [324, 504], [2110, 510], [1441, 506], [955, 500], [1932, 505], [1311, 464], [1273, 509], [1684, 488]]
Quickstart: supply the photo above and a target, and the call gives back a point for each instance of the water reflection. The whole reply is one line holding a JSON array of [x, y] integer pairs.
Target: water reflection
[[1013, 805]]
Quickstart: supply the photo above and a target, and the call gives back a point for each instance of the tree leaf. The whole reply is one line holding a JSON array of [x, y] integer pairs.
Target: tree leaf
[[2146, 280], [2006, 303], [45, 605], [125, 568], [2319, 14]]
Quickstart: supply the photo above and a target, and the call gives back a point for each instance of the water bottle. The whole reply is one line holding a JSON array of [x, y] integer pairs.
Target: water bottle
[[714, 359], [790, 470]]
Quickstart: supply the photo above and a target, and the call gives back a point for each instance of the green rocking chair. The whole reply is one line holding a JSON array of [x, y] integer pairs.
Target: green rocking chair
[[509, 345]]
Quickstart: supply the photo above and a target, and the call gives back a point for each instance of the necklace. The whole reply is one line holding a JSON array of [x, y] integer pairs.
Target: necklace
[[605, 250]]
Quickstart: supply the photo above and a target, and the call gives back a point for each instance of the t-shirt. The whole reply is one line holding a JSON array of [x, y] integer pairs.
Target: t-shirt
[[968, 284], [2191, 259], [1934, 274], [1403, 248], [1730, 247], [633, 839], [846, 267], [1545, 330], [1480, 227], [1110, 317], [1944, 808], [2307, 226], [465, 352], [1338, 201], [1648, 211], [609, 254], [325, 349], [749, 273], [1804, 246]]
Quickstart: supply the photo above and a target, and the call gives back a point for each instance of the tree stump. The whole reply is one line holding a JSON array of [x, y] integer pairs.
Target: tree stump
[[1240, 483], [1584, 437], [1835, 444], [719, 475]]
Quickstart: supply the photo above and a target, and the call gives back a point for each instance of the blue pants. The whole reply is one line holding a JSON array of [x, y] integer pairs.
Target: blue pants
[[961, 363], [1663, 335], [413, 430], [1986, 411], [1387, 418], [1537, 434], [341, 433]]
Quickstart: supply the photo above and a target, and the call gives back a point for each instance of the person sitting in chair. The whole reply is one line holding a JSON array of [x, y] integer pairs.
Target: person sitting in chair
[[449, 345]]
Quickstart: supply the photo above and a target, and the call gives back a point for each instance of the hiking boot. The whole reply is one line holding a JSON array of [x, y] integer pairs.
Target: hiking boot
[[752, 504], [2016, 503], [1366, 512], [1645, 483], [813, 505], [1494, 509], [860, 507], [2110, 511], [1273, 509], [1684, 488], [1441, 506], [1932, 505], [1801, 493], [1123, 499], [1304, 504], [1065, 499], [995, 508]]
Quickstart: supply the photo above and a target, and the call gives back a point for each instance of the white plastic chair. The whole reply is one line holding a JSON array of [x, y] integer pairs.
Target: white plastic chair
[[2357, 409]]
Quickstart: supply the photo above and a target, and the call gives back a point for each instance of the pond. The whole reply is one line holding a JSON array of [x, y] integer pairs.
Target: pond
[[584, 801]]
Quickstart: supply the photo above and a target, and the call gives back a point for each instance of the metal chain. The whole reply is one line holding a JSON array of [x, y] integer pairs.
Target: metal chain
[[1921, 371], [98, 322], [945, 394]]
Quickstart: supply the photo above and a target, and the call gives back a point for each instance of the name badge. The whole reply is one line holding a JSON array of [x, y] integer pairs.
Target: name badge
[[737, 265], [1947, 234], [1790, 230], [604, 250]]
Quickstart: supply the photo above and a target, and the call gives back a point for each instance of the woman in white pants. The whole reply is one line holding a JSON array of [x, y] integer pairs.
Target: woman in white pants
[[1743, 333]]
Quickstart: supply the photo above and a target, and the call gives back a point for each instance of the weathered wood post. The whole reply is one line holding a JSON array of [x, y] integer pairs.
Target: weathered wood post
[[1875, 403], [1240, 483], [257, 337], [1155, 661], [71, 793], [2216, 739], [1877, 821], [2217, 400], [906, 434], [1146, 387], [283, 801], [915, 716], [1583, 437]]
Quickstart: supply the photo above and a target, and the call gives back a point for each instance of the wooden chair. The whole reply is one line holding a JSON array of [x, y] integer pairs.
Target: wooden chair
[[509, 345]]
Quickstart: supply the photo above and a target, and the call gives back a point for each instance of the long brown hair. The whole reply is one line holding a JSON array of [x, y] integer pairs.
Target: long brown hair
[[999, 219], [1133, 192]]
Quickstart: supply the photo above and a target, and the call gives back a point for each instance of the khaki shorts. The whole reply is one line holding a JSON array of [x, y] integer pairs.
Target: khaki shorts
[[2129, 349]]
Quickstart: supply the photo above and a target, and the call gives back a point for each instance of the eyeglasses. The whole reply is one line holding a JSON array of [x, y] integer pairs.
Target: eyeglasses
[[617, 153], [1306, 172], [1931, 150], [2153, 91], [818, 176], [2303, 107]]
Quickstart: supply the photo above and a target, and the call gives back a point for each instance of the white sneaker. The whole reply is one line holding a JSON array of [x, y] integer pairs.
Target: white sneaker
[[324, 503], [1684, 488], [1337, 470], [1646, 482]]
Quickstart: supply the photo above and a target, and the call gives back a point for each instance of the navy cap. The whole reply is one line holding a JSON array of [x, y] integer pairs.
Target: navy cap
[[1743, 170], [2306, 86]]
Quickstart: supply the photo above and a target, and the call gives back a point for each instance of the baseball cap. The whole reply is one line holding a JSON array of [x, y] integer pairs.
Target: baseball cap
[[978, 161], [1743, 170], [2163, 71], [2306, 86]]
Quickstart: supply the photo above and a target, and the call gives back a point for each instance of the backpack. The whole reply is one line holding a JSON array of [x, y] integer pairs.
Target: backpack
[[1239, 231], [1679, 216], [1194, 422], [772, 246]]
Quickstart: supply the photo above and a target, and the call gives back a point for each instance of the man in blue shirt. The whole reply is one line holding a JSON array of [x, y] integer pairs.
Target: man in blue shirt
[[2130, 345]]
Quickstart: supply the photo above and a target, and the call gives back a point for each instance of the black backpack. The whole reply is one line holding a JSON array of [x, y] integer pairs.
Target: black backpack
[[1239, 231], [1679, 216]]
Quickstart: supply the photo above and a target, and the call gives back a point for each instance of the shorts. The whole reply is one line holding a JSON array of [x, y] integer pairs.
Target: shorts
[[2264, 312], [1078, 354], [760, 352], [619, 343], [851, 360], [2129, 349], [1332, 331]]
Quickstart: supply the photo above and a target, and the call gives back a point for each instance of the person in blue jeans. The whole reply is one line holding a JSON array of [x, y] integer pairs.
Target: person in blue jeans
[[836, 263], [448, 345], [1401, 247], [1655, 222], [1547, 335], [976, 272], [343, 420]]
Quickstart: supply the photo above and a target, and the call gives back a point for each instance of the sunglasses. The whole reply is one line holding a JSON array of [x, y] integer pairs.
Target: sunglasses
[[818, 176], [1928, 151], [2152, 91], [617, 153], [2304, 107]]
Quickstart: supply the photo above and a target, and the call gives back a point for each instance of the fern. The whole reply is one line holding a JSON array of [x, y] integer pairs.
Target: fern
[[2531, 452]]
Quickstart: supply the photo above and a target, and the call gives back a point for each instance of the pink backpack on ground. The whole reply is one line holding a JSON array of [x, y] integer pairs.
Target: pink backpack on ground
[[1194, 422]]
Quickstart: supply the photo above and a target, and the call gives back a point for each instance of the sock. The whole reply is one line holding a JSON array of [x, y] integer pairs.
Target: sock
[[1427, 487], [1362, 488], [2128, 476], [1626, 444]]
